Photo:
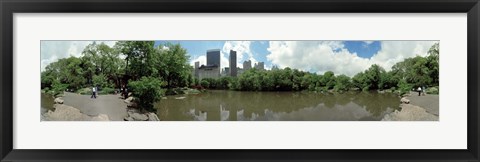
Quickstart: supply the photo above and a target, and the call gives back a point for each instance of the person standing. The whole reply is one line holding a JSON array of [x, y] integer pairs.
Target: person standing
[[94, 92], [419, 89]]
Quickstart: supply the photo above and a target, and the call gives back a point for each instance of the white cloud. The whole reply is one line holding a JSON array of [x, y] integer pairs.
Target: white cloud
[[242, 48], [244, 52], [322, 56], [396, 51], [368, 42], [202, 59], [51, 51]]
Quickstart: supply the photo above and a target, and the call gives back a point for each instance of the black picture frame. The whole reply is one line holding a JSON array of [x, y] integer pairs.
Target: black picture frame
[[9, 7]]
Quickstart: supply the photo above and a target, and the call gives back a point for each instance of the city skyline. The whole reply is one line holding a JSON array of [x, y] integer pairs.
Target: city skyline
[[211, 69], [341, 57]]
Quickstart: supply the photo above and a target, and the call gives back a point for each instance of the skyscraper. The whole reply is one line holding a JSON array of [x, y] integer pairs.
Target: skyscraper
[[260, 66], [247, 65], [213, 57], [233, 63], [197, 65]]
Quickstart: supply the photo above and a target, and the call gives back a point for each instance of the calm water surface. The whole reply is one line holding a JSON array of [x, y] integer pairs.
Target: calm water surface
[[221, 105], [46, 103]]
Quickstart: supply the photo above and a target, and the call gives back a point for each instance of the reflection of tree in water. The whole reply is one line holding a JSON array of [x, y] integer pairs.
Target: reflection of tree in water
[[376, 104], [254, 104]]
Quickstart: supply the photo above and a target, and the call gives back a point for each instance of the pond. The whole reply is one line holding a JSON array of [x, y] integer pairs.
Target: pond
[[224, 105], [46, 103]]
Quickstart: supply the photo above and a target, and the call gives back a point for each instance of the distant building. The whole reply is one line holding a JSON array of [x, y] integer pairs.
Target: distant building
[[260, 66], [233, 63], [213, 59], [247, 65], [197, 65], [225, 72], [275, 67], [208, 71]]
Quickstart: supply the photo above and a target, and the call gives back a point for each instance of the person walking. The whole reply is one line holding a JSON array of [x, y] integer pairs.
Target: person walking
[[424, 90], [419, 89], [94, 92]]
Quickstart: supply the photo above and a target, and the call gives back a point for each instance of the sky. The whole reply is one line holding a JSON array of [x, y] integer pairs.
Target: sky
[[341, 57]]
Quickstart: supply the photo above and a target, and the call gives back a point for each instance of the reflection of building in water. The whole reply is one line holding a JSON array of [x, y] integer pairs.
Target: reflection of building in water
[[224, 114], [241, 116], [202, 115]]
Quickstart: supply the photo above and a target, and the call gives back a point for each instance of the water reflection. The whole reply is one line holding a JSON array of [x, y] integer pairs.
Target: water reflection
[[224, 114], [321, 112], [202, 116], [277, 106]]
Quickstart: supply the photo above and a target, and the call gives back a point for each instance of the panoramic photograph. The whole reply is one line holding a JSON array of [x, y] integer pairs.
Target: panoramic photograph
[[257, 80]]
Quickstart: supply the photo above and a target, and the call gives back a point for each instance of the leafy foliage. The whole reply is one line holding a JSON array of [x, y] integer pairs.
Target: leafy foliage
[[146, 92]]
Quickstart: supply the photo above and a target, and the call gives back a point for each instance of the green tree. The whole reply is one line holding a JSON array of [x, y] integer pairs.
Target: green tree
[[360, 81], [146, 91], [342, 83], [432, 63], [374, 77], [102, 81], [139, 58], [328, 80], [205, 83], [172, 64]]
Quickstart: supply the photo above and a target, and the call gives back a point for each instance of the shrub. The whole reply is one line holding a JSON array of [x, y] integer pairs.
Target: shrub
[[404, 87], [85, 91], [432, 90], [101, 81], [107, 90], [57, 88], [205, 83], [146, 92]]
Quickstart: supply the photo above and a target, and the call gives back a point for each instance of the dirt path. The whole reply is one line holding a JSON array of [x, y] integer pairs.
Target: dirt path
[[429, 102], [110, 105]]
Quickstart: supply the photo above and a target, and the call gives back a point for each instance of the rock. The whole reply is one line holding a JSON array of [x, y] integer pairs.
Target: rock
[[132, 104], [69, 113], [128, 118], [138, 117], [404, 100], [180, 98], [101, 117], [153, 117], [58, 101], [410, 113], [128, 100]]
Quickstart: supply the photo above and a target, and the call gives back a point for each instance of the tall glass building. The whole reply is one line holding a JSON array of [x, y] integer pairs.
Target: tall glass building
[[233, 63], [213, 57]]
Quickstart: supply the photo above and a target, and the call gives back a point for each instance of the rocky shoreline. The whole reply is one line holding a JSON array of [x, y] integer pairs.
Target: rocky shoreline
[[68, 113], [410, 112], [63, 112]]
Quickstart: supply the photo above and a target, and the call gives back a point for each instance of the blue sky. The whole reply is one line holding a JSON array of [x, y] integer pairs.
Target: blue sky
[[259, 49], [341, 57]]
